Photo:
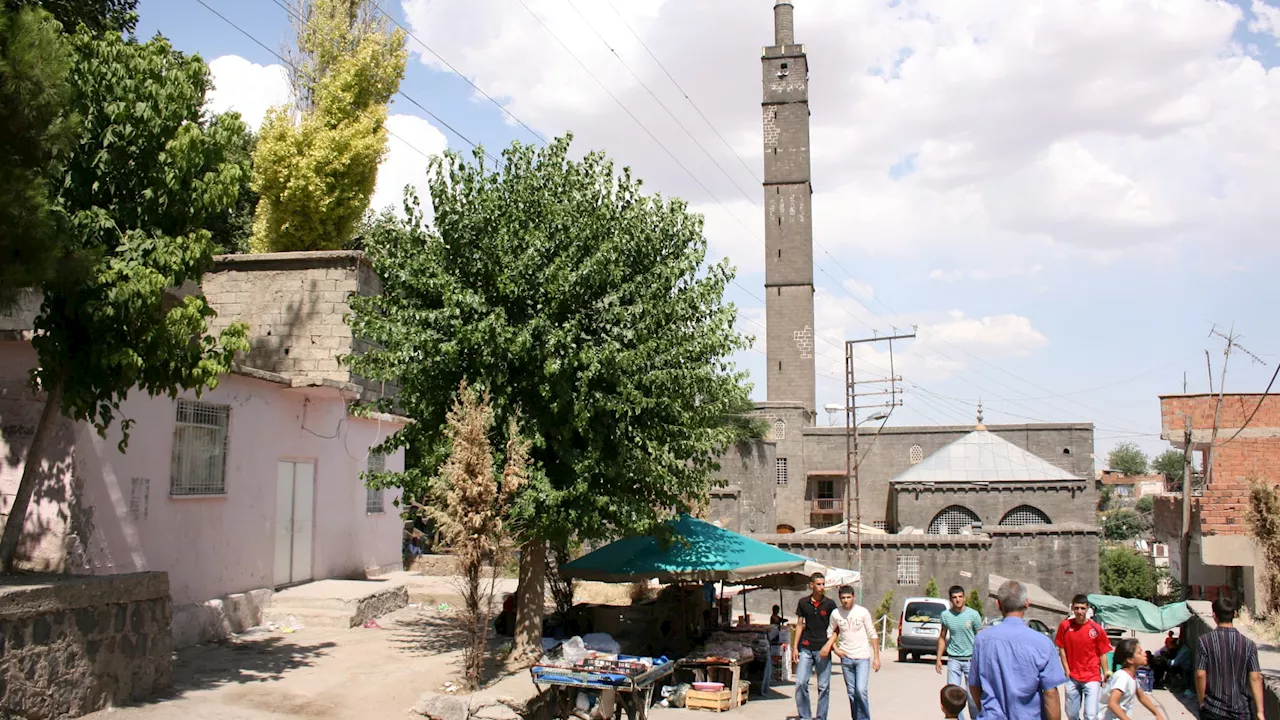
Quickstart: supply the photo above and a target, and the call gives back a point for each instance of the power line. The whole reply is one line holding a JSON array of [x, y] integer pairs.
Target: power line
[[458, 72], [1261, 400]]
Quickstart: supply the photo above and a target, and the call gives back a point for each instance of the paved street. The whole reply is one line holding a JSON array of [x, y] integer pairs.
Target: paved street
[[900, 691]]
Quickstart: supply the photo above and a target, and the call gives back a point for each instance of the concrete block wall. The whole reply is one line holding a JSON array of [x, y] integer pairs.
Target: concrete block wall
[[71, 646], [1063, 562], [786, 158], [296, 307], [786, 423], [746, 503], [788, 236], [790, 344]]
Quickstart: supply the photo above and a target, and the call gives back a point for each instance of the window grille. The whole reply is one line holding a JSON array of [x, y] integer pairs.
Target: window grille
[[879, 525], [916, 454], [199, 465], [139, 498], [908, 570], [1024, 515], [376, 463], [780, 471], [779, 430], [952, 520]]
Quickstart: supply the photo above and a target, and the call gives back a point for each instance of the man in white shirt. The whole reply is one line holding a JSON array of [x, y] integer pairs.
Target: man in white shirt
[[852, 637]]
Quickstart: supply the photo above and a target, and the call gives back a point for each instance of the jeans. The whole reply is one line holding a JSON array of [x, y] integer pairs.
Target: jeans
[[856, 673], [804, 668], [1088, 692], [958, 674]]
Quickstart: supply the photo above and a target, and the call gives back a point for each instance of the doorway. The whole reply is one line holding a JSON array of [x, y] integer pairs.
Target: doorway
[[295, 495]]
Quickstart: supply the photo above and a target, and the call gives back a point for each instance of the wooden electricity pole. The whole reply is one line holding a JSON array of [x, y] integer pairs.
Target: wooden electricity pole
[[1184, 551]]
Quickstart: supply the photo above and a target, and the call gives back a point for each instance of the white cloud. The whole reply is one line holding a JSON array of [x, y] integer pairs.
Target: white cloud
[[1266, 19], [252, 89], [247, 88], [1053, 130]]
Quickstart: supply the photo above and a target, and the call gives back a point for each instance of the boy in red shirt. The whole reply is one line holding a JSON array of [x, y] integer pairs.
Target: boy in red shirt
[[1083, 646]]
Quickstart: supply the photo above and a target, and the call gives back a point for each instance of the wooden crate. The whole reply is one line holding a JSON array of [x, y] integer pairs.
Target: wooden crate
[[717, 700]]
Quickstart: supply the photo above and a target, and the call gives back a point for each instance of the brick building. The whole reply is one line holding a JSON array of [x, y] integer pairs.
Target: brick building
[[1248, 447], [796, 480]]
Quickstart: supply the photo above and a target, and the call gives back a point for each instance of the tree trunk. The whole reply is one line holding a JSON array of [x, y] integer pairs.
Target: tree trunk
[[30, 476], [530, 604]]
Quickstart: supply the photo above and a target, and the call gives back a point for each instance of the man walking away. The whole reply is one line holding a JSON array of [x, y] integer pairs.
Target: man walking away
[[1014, 672], [1082, 646], [852, 636], [959, 624], [1227, 671], [813, 617]]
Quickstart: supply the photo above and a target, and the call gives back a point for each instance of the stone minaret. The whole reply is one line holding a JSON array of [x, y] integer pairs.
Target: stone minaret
[[788, 232]]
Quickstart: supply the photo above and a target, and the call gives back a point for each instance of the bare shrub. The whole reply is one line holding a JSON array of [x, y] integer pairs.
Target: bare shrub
[[1264, 526]]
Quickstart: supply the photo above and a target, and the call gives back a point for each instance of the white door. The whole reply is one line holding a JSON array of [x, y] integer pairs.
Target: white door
[[295, 494]]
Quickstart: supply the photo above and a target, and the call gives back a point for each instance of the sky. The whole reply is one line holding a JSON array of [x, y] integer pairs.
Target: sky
[[1065, 200]]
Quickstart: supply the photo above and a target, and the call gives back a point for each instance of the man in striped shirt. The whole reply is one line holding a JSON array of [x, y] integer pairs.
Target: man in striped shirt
[[1224, 661]]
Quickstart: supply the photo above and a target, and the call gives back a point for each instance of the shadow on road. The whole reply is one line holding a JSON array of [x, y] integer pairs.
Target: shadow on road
[[248, 661]]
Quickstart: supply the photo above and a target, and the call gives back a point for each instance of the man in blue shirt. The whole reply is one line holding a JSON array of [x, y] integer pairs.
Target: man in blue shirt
[[1015, 671]]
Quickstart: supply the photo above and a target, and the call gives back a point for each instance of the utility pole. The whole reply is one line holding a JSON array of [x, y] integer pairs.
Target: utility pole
[[1184, 547], [1230, 344], [852, 488]]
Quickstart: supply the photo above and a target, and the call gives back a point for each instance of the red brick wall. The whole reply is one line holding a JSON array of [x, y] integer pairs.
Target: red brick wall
[[1236, 461]]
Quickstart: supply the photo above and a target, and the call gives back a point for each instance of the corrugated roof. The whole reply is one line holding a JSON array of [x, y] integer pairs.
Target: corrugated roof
[[982, 456]]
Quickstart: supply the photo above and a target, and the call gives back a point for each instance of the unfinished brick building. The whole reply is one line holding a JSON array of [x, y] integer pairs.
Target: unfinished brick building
[[1222, 554]]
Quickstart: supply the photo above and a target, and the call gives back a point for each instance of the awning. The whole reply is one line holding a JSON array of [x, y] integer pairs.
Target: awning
[[1138, 615], [699, 552]]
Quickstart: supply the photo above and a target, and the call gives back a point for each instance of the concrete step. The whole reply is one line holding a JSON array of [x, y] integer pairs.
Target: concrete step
[[326, 600], [309, 617]]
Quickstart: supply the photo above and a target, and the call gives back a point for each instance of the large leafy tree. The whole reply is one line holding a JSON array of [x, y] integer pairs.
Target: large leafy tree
[[98, 16], [35, 97], [1127, 458], [316, 163], [582, 304], [147, 172], [1125, 573], [1172, 464]]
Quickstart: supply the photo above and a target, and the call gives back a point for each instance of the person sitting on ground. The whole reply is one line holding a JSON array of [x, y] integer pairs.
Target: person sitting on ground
[[1123, 688], [954, 701], [1170, 644]]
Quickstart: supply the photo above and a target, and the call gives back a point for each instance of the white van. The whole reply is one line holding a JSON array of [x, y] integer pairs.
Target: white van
[[919, 626]]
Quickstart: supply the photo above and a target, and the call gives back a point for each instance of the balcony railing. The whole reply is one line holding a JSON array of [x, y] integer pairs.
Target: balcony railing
[[826, 506]]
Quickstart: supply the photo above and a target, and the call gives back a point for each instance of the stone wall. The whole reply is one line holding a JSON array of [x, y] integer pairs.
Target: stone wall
[[73, 645], [918, 504], [1060, 559], [295, 304], [949, 559], [746, 504]]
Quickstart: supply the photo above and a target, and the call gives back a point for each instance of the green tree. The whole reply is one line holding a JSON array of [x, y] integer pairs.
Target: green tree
[[148, 170], [233, 228], [1125, 573], [1264, 525], [316, 163], [931, 588], [1127, 458], [1124, 524], [99, 16], [35, 97], [884, 608], [974, 600], [1145, 505], [1172, 464], [584, 305], [1105, 497]]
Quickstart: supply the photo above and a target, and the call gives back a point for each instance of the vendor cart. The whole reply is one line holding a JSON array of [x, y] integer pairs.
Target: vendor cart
[[634, 688]]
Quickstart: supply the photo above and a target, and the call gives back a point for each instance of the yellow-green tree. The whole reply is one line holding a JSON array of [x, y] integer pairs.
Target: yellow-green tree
[[316, 161]]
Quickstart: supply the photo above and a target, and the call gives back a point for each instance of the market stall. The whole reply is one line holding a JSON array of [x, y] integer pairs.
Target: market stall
[[614, 682]]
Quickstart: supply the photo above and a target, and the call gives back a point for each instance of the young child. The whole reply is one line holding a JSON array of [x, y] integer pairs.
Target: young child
[[1123, 686], [953, 701]]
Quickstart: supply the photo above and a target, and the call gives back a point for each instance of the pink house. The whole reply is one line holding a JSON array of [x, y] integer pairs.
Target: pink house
[[252, 486]]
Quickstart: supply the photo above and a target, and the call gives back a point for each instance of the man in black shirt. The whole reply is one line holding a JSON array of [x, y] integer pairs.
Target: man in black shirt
[[1227, 671], [813, 618]]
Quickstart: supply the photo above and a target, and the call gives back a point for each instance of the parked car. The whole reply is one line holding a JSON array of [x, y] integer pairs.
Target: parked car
[[1032, 623], [918, 627]]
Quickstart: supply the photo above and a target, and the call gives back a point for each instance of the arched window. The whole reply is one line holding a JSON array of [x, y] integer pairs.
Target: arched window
[[916, 454], [1024, 515], [779, 430], [952, 520]]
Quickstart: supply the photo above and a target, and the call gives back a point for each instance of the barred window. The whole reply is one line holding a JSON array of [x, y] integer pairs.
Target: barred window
[[1024, 515], [780, 471], [879, 524], [779, 430], [952, 520], [376, 463], [199, 464], [908, 570], [915, 454]]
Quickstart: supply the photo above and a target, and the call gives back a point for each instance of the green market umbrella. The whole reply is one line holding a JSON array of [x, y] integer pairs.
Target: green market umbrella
[[698, 552]]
